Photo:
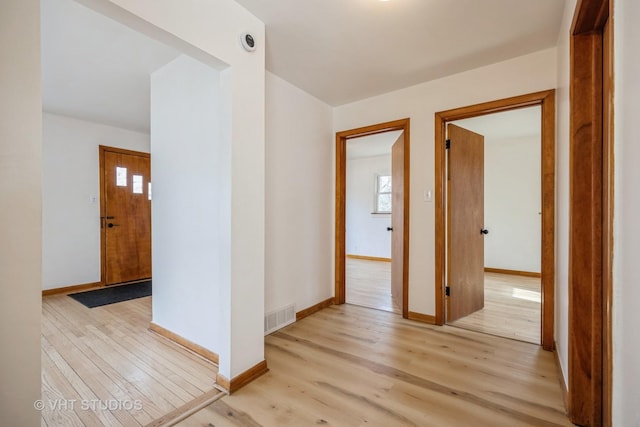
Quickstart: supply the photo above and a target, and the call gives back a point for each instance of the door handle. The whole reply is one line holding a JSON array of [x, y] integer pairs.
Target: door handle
[[389, 228], [484, 231], [111, 225]]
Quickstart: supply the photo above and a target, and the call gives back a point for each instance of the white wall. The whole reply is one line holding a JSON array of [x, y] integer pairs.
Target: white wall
[[20, 211], [71, 181], [366, 232], [517, 76], [562, 192], [211, 30], [191, 203], [626, 273], [512, 203], [299, 208]]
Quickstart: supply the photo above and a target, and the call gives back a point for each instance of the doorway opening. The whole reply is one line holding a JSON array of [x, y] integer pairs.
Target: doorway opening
[[445, 260], [506, 193], [369, 228], [126, 57], [388, 213]]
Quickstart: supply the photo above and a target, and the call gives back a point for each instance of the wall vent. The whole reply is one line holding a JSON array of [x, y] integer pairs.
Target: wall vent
[[279, 319]]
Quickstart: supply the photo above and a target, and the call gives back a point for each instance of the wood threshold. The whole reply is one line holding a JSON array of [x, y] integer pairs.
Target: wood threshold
[[189, 345], [71, 289], [424, 318], [546, 100], [369, 258], [243, 379], [512, 272], [188, 409], [314, 308]]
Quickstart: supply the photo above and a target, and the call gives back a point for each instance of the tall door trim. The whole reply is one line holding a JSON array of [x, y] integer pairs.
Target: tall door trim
[[590, 213], [546, 100], [103, 253], [341, 199]]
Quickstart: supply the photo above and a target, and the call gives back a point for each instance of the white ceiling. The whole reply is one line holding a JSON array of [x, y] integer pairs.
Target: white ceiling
[[372, 145], [96, 69], [337, 50], [346, 50], [512, 124]]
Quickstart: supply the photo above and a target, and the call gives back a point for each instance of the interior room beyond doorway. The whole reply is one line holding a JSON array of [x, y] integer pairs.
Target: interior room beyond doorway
[[369, 224], [511, 205]]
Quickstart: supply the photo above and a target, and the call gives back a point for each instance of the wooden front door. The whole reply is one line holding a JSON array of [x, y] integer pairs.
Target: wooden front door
[[126, 215], [397, 220], [465, 225]]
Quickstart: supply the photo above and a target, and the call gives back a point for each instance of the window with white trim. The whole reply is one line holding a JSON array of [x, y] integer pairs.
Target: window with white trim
[[382, 194]]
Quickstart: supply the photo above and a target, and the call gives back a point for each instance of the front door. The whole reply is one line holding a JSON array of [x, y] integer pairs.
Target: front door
[[126, 215], [465, 223]]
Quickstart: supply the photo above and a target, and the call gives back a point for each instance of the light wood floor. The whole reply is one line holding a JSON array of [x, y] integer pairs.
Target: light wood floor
[[102, 366], [511, 308], [353, 366], [512, 303], [368, 284]]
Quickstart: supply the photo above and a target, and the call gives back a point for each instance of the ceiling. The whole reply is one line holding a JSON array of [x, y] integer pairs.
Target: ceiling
[[337, 50], [346, 50], [372, 145], [514, 124], [96, 69]]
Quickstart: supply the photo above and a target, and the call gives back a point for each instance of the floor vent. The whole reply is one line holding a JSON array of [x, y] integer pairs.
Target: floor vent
[[278, 319]]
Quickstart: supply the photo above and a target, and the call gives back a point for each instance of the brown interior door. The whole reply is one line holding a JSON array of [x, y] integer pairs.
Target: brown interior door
[[126, 216], [397, 220], [465, 261]]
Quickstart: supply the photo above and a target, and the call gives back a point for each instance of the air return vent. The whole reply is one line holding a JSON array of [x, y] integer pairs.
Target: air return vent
[[279, 318]]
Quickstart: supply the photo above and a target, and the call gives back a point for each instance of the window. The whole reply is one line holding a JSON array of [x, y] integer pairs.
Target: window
[[137, 184], [121, 176], [383, 194]]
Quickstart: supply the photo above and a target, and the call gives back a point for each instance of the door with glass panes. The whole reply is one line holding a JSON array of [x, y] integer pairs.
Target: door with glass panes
[[125, 215]]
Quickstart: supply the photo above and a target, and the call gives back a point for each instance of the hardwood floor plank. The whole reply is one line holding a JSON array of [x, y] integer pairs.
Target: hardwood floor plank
[[512, 308], [107, 356], [368, 284], [512, 303], [352, 366], [84, 391], [56, 388], [418, 381], [95, 367]]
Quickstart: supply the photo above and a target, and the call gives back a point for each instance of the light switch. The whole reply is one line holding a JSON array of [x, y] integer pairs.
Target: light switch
[[428, 196], [93, 199]]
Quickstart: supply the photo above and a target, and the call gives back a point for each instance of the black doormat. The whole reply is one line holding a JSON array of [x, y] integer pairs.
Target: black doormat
[[113, 294]]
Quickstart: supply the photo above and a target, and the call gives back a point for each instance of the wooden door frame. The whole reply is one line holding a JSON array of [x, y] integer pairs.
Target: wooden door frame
[[590, 216], [102, 149], [546, 100], [341, 205]]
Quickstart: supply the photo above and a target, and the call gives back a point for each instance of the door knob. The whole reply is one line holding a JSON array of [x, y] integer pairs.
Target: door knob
[[484, 231], [111, 225], [389, 228]]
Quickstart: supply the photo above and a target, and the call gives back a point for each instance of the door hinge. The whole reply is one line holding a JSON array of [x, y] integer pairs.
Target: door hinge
[[447, 144], [447, 291]]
